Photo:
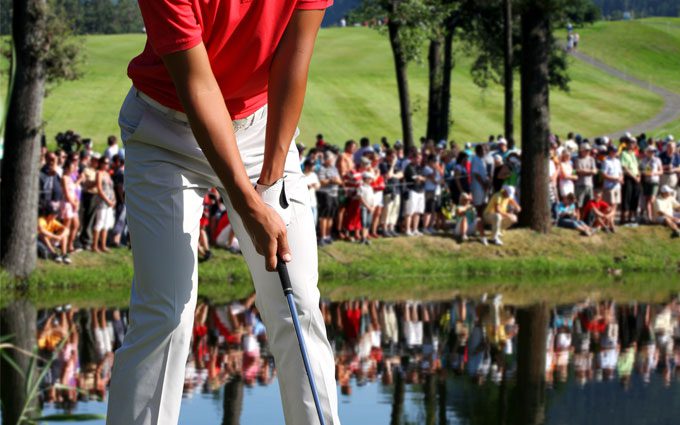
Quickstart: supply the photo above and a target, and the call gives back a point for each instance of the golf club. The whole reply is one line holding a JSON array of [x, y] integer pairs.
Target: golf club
[[288, 292]]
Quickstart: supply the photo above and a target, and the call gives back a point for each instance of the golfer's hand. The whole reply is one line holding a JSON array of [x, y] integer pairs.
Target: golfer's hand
[[268, 233]]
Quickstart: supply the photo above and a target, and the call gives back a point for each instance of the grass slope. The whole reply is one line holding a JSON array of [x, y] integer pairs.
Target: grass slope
[[352, 92], [648, 49]]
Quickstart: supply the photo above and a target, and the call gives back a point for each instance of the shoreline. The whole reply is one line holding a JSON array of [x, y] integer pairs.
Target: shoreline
[[526, 255]]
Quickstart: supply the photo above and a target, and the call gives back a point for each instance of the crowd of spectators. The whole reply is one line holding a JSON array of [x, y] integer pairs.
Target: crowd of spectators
[[81, 198], [366, 191], [377, 342]]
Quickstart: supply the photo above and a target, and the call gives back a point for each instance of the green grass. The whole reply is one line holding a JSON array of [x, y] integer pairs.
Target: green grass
[[561, 264], [672, 127], [352, 93], [648, 49]]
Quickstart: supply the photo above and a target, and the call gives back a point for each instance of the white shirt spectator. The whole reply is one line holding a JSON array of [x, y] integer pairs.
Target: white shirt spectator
[[652, 165], [111, 151], [312, 179], [366, 193], [612, 168]]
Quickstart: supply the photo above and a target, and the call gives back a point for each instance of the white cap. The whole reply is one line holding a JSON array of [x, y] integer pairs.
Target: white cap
[[628, 135], [367, 175], [502, 141], [510, 190], [666, 189]]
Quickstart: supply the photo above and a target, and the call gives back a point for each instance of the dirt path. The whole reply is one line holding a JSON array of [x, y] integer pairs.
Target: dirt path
[[671, 108]]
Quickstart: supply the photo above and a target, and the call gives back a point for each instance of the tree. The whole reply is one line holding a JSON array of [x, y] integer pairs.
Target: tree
[[17, 325], [408, 30], [508, 80], [43, 52], [443, 15], [535, 81], [533, 323]]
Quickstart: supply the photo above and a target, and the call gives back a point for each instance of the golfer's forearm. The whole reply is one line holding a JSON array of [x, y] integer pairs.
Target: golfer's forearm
[[204, 105], [286, 91]]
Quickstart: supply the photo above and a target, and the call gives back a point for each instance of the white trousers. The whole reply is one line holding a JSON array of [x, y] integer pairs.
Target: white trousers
[[166, 177]]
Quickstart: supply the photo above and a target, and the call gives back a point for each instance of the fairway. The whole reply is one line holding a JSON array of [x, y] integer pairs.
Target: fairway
[[648, 49], [352, 92]]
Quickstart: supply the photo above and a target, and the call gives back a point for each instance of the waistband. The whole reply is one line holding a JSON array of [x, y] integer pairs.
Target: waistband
[[239, 124]]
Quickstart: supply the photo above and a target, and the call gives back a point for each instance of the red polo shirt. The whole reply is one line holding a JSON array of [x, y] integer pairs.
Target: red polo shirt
[[239, 35]]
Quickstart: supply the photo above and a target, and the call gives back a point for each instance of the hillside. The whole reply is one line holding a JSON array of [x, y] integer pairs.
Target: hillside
[[352, 91]]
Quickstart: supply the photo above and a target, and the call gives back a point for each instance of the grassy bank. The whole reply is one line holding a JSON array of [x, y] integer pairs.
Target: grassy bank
[[352, 91], [421, 267]]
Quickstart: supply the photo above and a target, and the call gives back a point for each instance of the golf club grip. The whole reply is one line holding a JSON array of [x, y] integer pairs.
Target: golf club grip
[[282, 269]]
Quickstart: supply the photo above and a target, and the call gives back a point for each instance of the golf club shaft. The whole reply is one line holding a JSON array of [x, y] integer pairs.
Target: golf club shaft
[[288, 292]]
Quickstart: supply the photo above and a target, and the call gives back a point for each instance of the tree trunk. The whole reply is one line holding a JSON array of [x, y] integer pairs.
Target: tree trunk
[[402, 84], [430, 399], [17, 319], [398, 399], [445, 116], [535, 199], [508, 79], [233, 401], [531, 345], [19, 191], [435, 100]]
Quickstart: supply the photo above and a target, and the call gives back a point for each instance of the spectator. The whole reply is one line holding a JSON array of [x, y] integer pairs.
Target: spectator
[[568, 216], [50, 183], [666, 209], [313, 185], [480, 179], [88, 201], [392, 175], [352, 182], [652, 170], [71, 204], [378, 186], [365, 147], [327, 197], [120, 218], [670, 159], [497, 214], [345, 168], [415, 198], [566, 177], [53, 235], [631, 181], [432, 186], [466, 220], [585, 170], [613, 178], [598, 214], [112, 149], [461, 176], [367, 199], [104, 202], [501, 172]]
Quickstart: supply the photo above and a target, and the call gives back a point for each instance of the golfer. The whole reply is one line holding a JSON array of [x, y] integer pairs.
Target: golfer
[[217, 94]]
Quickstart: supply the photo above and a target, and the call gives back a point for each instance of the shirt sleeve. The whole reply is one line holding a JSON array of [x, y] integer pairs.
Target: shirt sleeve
[[313, 4], [171, 25]]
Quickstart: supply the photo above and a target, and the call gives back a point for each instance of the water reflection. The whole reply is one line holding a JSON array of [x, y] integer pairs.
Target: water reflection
[[463, 360]]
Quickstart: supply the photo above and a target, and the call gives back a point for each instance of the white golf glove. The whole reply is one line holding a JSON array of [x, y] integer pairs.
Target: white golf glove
[[275, 196]]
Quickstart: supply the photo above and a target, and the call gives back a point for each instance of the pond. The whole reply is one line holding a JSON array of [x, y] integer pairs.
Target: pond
[[462, 360]]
